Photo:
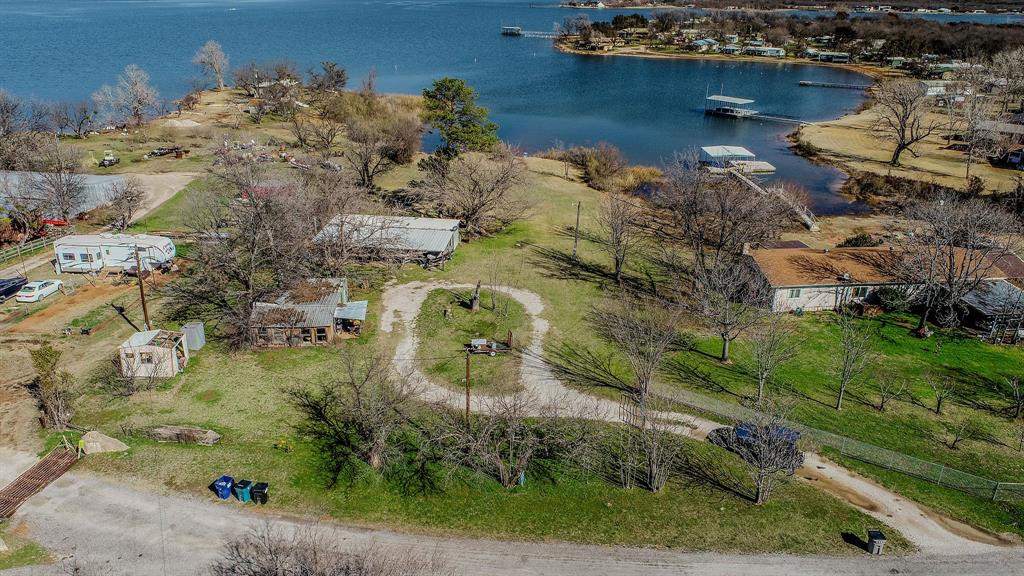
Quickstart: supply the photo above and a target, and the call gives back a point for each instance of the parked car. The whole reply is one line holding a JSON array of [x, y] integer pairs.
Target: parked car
[[10, 286], [36, 291]]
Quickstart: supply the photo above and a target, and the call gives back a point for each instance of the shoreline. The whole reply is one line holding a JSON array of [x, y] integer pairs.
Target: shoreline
[[875, 73]]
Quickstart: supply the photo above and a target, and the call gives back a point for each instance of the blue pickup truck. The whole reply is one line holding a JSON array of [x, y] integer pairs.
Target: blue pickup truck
[[10, 286]]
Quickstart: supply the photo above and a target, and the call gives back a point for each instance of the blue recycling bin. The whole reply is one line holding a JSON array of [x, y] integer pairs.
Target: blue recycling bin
[[242, 490], [222, 486]]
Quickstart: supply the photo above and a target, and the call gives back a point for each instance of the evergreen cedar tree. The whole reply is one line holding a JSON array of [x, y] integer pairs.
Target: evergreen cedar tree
[[450, 107]]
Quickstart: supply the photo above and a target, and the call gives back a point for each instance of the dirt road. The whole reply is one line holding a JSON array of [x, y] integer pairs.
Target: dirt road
[[932, 533], [117, 530]]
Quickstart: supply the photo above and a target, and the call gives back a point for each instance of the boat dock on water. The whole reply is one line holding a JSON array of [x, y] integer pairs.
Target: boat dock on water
[[719, 159], [731, 106], [511, 31]]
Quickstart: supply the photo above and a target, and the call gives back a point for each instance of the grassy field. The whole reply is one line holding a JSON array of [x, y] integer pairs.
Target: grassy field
[[851, 142], [246, 403], [442, 340]]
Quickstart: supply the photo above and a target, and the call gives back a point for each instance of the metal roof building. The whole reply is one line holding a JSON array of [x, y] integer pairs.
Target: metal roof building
[[721, 155], [314, 311], [430, 238], [95, 193]]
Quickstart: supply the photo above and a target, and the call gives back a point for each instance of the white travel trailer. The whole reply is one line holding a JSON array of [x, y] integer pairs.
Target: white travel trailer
[[93, 252]]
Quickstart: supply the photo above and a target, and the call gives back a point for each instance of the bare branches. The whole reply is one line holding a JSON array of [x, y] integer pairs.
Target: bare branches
[[1013, 393], [53, 388], [943, 388], [903, 115], [131, 99], [269, 550], [730, 296], [212, 60], [768, 446], [360, 416], [62, 186], [889, 388], [125, 199], [379, 144], [621, 224], [477, 189], [853, 356], [957, 245], [773, 342]]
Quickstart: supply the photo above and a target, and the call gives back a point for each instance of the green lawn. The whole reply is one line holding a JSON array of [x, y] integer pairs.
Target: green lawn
[[246, 405], [442, 340], [174, 214]]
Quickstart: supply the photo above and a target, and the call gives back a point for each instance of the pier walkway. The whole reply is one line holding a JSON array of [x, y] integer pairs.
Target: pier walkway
[[802, 212]]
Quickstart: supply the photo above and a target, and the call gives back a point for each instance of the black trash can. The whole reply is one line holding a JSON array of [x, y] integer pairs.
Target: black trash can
[[876, 542], [259, 492]]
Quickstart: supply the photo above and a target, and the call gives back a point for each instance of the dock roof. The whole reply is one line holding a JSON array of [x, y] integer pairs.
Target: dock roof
[[727, 152], [730, 100]]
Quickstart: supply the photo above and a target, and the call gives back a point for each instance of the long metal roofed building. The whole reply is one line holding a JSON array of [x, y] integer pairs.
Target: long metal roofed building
[[427, 240], [95, 187]]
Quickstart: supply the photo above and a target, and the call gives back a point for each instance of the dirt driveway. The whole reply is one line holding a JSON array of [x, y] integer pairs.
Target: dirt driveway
[[117, 530]]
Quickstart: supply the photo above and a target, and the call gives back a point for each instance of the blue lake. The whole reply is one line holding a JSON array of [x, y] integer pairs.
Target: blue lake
[[650, 108]]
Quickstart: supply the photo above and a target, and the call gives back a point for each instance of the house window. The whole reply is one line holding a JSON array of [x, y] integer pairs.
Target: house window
[[145, 357], [794, 293], [321, 334], [85, 257], [129, 357], [68, 257], [861, 291]]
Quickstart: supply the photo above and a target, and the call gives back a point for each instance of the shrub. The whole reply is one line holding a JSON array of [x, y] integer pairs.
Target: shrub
[[862, 240]]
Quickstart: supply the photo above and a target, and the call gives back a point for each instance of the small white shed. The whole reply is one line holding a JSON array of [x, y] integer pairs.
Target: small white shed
[[153, 354]]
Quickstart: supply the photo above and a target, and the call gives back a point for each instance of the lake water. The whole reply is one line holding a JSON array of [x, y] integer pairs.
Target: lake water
[[65, 49]]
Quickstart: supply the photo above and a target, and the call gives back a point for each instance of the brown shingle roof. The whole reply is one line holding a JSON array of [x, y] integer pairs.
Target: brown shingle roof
[[813, 267]]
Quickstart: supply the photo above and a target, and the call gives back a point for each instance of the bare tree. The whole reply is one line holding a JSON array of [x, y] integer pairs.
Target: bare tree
[[650, 445], [131, 99], [1013, 393], [515, 430], [53, 388], [378, 145], [212, 60], [730, 297], [971, 123], [768, 448], [359, 416], [1006, 67], [956, 247], [125, 199], [478, 189], [854, 354], [903, 116], [961, 429], [773, 342], [621, 226], [270, 550], [889, 388], [62, 185], [943, 388], [717, 217], [641, 330], [128, 375]]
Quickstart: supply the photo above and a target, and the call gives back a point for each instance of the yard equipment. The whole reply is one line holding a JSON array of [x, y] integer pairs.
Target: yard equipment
[[489, 347], [109, 159], [222, 487], [178, 152]]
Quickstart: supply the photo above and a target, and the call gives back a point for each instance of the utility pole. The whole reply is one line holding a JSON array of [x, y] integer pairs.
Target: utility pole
[[467, 387], [142, 289], [576, 232]]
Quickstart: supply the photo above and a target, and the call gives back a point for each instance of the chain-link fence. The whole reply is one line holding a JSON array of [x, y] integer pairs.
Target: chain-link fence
[[916, 467]]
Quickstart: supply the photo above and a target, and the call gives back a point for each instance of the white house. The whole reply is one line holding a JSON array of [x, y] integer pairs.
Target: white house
[[153, 354], [814, 279], [94, 252]]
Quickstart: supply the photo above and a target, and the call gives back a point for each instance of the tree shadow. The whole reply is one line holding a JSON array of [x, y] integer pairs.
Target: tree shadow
[[559, 264], [584, 367], [701, 468], [681, 372]]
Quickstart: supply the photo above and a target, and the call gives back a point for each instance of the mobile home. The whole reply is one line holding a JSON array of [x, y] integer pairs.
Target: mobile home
[[85, 253]]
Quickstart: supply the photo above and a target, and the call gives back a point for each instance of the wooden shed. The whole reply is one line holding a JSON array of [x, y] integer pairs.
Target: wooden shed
[[301, 316], [153, 354]]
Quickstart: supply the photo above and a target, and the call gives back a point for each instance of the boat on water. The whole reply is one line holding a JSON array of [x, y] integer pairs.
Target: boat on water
[[511, 31], [719, 105]]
